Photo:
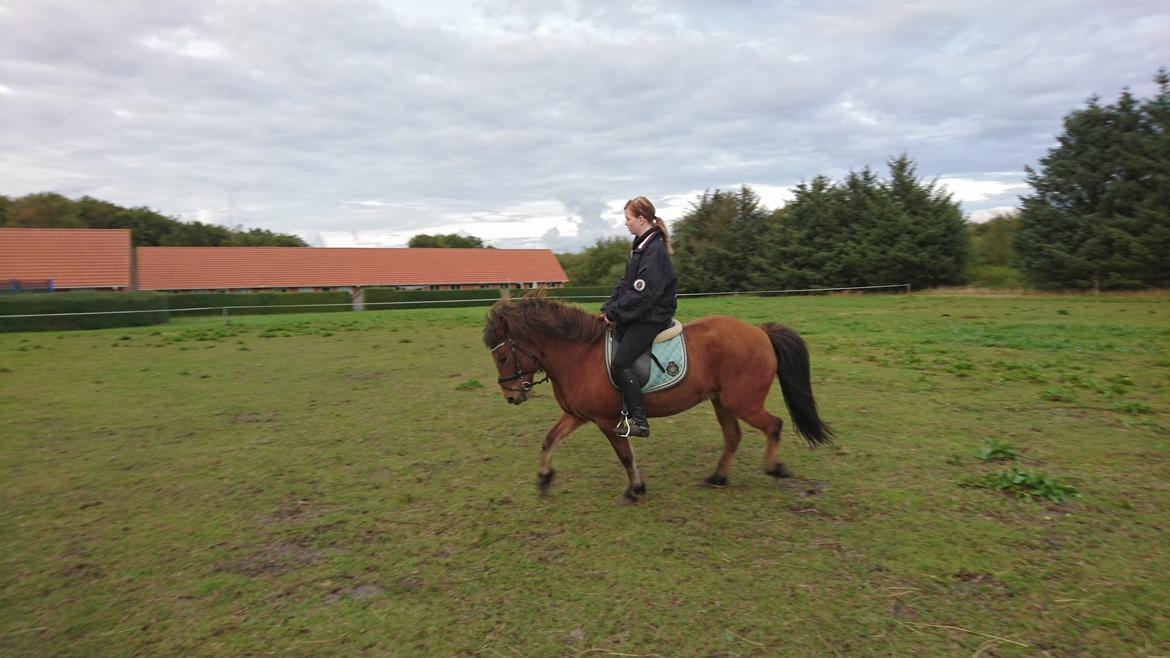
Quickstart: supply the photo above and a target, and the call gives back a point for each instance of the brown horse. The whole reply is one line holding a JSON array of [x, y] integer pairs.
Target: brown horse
[[730, 363]]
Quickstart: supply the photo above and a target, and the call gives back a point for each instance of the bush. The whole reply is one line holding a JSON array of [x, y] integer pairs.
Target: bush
[[994, 276], [98, 303], [280, 302], [382, 299]]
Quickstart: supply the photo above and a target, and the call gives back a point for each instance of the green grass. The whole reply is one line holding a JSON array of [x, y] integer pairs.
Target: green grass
[[343, 484]]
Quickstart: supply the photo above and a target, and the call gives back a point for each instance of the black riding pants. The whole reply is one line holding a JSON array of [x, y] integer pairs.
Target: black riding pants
[[635, 338]]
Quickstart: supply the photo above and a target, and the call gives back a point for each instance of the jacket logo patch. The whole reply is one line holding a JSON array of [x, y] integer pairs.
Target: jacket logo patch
[[640, 285]]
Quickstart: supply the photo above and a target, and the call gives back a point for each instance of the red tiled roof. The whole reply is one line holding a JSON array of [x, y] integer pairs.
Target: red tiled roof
[[211, 268], [70, 257]]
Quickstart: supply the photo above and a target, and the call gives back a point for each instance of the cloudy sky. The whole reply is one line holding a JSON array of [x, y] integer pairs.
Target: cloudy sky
[[530, 122]]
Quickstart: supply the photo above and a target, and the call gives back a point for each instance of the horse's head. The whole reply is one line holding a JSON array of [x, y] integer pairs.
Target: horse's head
[[516, 365], [520, 333]]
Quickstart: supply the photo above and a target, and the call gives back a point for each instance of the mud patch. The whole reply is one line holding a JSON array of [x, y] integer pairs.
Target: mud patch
[[271, 559], [255, 417], [296, 512], [363, 592], [802, 488]]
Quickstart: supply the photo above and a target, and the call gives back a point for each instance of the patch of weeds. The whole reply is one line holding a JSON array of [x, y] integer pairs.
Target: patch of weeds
[[1132, 407], [1025, 485], [1058, 394], [1062, 312], [405, 340], [124, 338], [994, 451], [469, 385], [961, 367], [3, 369]]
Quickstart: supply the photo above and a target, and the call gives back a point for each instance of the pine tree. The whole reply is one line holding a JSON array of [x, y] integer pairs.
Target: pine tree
[[1100, 214], [865, 231]]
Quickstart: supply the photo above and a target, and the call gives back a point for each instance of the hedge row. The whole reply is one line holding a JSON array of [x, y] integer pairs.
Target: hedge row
[[82, 302], [280, 302], [380, 299], [238, 303], [588, 293], [383, 299]]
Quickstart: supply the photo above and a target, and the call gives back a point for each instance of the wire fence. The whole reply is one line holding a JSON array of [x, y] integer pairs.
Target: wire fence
[[226, 310]]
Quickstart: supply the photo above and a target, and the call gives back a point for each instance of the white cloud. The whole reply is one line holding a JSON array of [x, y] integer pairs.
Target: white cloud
[[185, 42], [508, 119]]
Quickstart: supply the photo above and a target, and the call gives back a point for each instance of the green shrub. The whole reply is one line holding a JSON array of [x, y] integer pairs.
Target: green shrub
[[994, 276], [271, 302], [98, 303]]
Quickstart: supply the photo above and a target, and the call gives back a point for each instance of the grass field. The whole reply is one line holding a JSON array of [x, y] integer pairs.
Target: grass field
[[354, 484]]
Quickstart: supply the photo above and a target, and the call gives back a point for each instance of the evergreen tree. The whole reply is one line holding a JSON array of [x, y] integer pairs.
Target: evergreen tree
[[718, 243], [1100, 213], [866, 231]]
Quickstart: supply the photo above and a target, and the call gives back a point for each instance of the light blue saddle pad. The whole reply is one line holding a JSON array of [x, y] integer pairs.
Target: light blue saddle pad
[[670, 369]]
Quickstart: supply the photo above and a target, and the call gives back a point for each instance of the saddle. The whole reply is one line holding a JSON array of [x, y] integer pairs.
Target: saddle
[[662, 366]]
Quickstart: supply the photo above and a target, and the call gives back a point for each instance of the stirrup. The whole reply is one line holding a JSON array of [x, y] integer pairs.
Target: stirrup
[[624, 424]]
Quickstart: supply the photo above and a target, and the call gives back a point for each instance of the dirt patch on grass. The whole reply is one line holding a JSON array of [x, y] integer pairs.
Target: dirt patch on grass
[[255, 417], [296, 512], [363, 592], [270, 559], [802, 488]]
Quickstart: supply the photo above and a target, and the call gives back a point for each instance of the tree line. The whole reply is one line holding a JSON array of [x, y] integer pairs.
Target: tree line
[[1098, 218], [147, 227]]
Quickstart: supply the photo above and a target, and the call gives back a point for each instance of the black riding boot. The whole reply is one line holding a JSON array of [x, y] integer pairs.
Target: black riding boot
[[634, 415]]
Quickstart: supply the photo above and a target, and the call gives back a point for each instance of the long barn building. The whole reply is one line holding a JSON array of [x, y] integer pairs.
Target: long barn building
[[102, 259]]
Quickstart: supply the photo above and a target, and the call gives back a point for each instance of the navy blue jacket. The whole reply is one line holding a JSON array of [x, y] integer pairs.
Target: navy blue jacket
[[648, 291]]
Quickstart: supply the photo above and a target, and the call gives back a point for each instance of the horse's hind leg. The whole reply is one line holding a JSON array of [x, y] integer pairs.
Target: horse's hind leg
[[560, 430], [731, 436], [770, 425]]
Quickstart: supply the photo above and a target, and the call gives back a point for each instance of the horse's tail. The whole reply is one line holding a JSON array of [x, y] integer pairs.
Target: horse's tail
[[792, 369]]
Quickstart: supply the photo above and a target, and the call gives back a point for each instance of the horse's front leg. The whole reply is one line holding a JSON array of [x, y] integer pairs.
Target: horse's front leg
[[563, 428], [625, 453]]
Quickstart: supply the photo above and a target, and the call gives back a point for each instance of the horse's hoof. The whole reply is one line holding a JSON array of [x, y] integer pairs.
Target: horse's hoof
[[543, 480], [715, 481], [627, 500], [779, 471]]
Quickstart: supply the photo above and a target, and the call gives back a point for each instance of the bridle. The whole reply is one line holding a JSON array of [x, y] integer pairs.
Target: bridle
[[516, 349], [519, 373]]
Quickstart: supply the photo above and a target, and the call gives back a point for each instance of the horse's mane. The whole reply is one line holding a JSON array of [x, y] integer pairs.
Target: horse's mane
[[540, 316]]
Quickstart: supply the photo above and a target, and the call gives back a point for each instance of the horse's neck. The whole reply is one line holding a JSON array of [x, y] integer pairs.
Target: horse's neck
[[560, 353]]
